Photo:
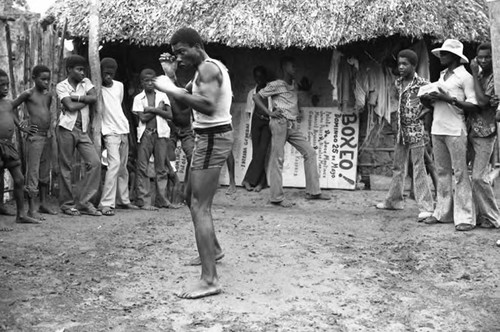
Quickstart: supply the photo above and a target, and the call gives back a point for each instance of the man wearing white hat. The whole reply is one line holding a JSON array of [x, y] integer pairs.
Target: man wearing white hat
[[455, 98]]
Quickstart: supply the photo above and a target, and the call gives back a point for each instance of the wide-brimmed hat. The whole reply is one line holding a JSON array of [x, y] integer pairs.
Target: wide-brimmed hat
[[453, 46]]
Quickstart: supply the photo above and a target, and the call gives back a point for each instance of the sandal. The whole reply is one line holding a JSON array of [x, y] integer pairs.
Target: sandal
[[107, 211], [464, 227], [91, 211], [71, 212]]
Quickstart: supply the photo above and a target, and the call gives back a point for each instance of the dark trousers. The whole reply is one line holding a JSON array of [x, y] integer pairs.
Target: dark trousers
[[261, 138]]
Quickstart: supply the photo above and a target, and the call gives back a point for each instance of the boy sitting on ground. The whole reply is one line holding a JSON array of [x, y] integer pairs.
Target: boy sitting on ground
[[38, 101], [9, 158]]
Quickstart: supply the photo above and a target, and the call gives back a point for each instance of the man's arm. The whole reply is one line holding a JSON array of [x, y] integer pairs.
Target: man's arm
[[75, 103], [483, 100], [209, 76], [22, 98], [165, 111]]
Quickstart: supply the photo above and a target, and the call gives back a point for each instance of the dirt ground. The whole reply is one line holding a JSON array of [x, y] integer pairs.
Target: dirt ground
[[340, 265]]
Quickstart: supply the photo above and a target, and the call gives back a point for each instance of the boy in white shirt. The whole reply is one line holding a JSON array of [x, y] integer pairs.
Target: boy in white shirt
[[115, 130]]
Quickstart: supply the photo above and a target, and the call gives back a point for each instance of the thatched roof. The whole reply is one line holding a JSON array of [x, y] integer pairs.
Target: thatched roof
[[279, 23]]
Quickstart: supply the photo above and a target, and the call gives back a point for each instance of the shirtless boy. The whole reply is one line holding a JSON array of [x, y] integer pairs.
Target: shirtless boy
[[9, 158], [37, 101]]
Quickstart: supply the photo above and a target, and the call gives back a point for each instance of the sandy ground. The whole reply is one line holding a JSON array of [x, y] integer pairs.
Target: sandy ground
[[320, 266]]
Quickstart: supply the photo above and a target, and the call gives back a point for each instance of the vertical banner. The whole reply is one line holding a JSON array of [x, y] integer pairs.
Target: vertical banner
[[333, 134]]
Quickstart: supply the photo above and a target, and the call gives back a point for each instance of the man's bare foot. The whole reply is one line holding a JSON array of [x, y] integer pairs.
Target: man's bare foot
[[247, 186], [149, 208], [284, 203], [172, 206], [6, 211], [4, 227], [199, 290], [27, 220], [231, 190], [46, 210], [258, 188], [197, 261], [35, 215]]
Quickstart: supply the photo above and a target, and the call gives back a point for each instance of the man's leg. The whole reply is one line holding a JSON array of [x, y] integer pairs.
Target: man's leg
[[3, 208], [34, 149], [123, 192], [21, 217], [231, 170], [204, 185], [429, 165], [274, 173], [66, 144], [482, 192], [108, 196], [394, 199], [162, 165], [44, 178], [423, 194], [144, 151], [91, 180]]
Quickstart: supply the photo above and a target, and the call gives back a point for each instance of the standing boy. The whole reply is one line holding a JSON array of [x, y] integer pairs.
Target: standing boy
[[76, 93], [483, 135], [283, 124], [9, 158], [153, 109], [410, 140], [38, 101], [115, 130], [255, 177], [210, 100], [449, 137]]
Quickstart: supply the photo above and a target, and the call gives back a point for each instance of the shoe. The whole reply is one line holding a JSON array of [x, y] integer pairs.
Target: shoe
[[431, 220], [484, 223], [383, 206], [464, 227], [423, 215]]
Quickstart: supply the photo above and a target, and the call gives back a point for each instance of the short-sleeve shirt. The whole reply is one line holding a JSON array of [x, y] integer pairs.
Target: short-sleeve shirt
[[140, 102], [483, 123], [410, 128], [68, 119], [448, 119], [284, 96], [114, 120]]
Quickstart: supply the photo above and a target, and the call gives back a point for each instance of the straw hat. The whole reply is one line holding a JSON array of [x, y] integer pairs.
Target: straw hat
[[452, 46]]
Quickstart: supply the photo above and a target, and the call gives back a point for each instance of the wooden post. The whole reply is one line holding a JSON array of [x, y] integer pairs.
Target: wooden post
[[95, 72]]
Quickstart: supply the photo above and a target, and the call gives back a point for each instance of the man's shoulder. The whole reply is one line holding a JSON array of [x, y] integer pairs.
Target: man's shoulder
[[462, 73], [63, 83]]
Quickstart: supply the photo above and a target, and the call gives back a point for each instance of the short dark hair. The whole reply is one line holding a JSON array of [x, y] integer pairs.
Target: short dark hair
[[38, 69], [3, 73], [147, 71], [484, 46], [109, 63], [260, 69], [186, 35], [75, 60], [410, 55], [286, 59]]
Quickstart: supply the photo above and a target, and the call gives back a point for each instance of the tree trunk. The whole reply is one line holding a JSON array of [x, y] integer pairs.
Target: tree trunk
[[95, 72]]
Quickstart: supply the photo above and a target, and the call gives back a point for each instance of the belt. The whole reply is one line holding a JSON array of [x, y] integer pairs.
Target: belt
[[262, 117], [40, 133], [150, 130], [213, 130]]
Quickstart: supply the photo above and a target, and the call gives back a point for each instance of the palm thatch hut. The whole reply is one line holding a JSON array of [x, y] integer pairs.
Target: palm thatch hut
[[356, 34]]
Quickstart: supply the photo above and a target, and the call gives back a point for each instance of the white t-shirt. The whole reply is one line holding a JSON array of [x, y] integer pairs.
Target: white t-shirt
[[114, 120]]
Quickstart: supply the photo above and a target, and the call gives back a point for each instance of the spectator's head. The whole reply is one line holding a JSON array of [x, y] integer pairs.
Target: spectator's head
[[407, 63], [187, 46], [75, 67], [4, 84], [287, 65], [108, 71], [147, 78], [451, 52], [260, 75], [484, 58], [41, 77]]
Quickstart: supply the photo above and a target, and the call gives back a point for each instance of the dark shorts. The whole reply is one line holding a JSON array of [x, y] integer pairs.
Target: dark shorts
[[9, 158], [212, 147]]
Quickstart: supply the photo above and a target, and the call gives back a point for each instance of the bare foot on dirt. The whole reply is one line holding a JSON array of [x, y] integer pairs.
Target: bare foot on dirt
[[258, 188], [172, 206], [231, 190], [6, 211], [46, 210], [197, 261], [5, 227], [27, 220], [199, 290], [35, 215], [284, 203], [247, 186], [149, 208]]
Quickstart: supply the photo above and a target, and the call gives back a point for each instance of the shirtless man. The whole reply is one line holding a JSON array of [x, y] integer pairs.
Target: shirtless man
[[210, 96], [37, 101], [9, 158]]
